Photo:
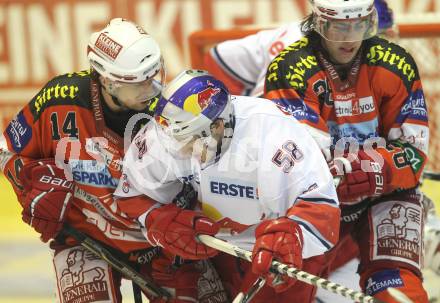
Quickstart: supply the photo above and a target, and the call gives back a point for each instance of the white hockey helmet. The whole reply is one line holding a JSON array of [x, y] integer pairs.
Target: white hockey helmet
[[124, 52], [191, 104], [345, 20]]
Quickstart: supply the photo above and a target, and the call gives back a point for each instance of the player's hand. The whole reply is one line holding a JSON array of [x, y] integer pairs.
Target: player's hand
[[175, 229], [180, 281], [183, 280], [360, 181], [278, 239], [46, 198]]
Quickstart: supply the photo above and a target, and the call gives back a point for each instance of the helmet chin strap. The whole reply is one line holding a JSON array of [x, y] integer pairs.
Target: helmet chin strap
[[115, 99]]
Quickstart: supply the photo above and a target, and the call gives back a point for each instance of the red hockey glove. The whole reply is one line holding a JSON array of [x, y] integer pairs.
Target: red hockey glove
[[279, 239], [46, 198], [181, 281], [175, 229], [188, 282], [361, 181]]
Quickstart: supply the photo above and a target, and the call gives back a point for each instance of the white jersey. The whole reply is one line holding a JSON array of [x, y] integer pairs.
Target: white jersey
[[246, 59], [272, 168]]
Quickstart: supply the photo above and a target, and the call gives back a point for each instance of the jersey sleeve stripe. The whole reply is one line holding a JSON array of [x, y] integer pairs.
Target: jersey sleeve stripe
[[311, 229], [330, 202], [321, 218], [282, 94], [217, 57]]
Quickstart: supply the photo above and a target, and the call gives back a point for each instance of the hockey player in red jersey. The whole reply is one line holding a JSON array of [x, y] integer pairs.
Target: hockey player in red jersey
[[242, 63], [259, 181], [364, 93], [80, 118]]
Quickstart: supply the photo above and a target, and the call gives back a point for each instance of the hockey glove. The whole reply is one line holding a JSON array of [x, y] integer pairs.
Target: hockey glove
[[181, 280], [175, 229], [46, 198], [361, 181], [280, 239], [188, 282]]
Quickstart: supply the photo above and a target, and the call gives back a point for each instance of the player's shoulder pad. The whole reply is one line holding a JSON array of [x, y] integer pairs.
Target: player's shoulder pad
[[293, 66], [393, 57], [68, 89]]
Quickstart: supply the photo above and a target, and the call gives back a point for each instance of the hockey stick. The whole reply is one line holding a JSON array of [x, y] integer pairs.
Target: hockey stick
[[247, 297], [145, 283], [292, 272], [430, 175]]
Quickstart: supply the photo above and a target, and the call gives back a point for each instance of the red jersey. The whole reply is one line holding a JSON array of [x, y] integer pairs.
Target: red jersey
[[68, 119], [380, 95]]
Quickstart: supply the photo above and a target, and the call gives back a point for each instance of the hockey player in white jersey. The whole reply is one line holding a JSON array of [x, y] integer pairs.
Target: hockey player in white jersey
[[259, 178], [242, 63]]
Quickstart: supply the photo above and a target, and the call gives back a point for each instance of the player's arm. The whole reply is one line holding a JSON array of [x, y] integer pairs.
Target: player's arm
[[295, 184], [404, 116], [297, 100], [20, 144], [239, 62], [145, 194], [36, 130], [27, 161], [301, 186], [396, 162]]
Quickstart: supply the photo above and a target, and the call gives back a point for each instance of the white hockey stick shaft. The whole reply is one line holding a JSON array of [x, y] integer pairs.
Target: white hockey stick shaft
[[290, 271], [337, 180], [255, 288]]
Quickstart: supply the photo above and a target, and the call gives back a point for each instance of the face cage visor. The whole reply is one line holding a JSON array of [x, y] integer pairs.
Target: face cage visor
[[204, 147], [204, 143], [346, 30], [145, 90]]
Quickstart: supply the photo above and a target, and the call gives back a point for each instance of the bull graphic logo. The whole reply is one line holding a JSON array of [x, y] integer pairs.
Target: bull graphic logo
[[76, 274], [402, 223], [398, 234], [196, 103]]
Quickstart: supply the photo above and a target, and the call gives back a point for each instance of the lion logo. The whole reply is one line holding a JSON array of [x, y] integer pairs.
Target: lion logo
[[76, 274]]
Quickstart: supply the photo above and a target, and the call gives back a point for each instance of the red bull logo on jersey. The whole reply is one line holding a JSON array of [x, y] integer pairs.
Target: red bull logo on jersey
[[196, 103]]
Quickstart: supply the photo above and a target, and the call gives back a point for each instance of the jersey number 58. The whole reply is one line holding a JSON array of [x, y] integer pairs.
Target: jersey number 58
[[286, 156]]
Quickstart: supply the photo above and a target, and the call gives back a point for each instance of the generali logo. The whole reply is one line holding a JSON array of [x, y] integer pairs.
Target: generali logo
[[399, 233], [108, 46], [81, 283]]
